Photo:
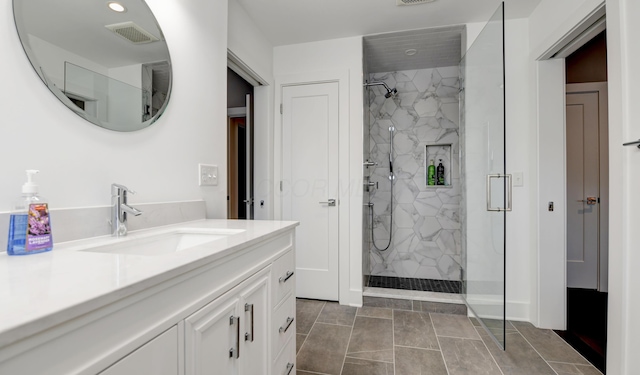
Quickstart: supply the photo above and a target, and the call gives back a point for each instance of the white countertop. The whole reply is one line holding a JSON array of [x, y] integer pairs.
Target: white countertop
[[41, 290]]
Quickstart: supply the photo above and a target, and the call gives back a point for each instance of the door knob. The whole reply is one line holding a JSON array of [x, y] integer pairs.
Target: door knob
[[331, 202], [590, 201]]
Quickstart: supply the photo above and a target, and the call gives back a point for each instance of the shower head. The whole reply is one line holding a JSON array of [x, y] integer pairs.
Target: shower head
[[390, 92]]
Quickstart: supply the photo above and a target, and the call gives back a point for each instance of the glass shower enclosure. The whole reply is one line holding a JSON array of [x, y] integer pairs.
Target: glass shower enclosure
[[486, 193]]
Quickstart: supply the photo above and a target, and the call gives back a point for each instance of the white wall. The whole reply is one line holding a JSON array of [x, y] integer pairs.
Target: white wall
[[343, 56], [249, 45], [78, 161], [519, 91], [624, 181], [552, 19], [551, 251]]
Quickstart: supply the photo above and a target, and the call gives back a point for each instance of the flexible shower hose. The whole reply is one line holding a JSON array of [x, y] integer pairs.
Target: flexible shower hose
[[373, 239]]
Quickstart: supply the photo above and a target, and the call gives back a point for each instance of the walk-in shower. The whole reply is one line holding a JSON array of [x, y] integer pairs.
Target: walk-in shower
[[412, 238], [446, 235]]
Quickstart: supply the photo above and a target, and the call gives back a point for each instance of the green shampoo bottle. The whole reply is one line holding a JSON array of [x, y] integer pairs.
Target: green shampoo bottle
[[431, 174]]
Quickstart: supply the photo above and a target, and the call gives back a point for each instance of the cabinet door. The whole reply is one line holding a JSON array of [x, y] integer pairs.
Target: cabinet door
[[212, 338], [159, 357], [254, 299]]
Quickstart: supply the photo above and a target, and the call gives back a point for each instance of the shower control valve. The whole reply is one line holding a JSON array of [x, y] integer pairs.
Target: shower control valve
[[369, 163]]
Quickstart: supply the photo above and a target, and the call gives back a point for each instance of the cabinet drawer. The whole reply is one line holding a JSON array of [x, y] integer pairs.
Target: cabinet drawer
[[285, 364], [284, 278], [283, 325], [158, 356]]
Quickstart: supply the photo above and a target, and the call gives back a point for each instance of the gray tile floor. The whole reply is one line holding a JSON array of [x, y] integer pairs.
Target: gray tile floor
[[404, 337]]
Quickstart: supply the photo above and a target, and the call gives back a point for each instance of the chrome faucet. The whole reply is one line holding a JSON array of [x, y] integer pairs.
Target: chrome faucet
[[120, 209]]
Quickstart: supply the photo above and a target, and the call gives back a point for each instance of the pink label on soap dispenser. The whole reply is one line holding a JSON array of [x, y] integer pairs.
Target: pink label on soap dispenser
[[38, 228]]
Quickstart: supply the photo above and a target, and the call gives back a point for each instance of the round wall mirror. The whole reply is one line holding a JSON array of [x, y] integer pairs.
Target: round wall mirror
[[105, 60]]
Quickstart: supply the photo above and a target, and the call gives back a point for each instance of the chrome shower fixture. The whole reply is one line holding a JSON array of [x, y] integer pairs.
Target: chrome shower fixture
[[390, 91]]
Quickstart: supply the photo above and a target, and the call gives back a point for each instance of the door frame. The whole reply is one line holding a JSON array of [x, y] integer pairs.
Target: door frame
[[603, 139], [347, 295], [550, 309]]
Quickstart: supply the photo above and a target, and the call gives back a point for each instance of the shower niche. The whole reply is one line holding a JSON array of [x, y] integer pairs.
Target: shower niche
[[438, 153]]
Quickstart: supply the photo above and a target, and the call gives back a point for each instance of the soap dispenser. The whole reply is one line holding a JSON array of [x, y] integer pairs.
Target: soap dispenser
[[29, 223]]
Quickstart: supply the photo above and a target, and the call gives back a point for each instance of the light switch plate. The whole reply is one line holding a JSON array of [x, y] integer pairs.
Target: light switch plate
[[207, 175]]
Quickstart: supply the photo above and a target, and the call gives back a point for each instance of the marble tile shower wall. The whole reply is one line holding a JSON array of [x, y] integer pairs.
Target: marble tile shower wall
[[426, 220]]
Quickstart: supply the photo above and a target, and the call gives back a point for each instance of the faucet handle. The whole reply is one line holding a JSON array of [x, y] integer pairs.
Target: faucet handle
[[117, 188]]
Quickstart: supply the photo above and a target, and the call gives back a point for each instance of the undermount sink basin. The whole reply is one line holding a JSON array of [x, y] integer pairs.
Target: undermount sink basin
[[164, 243]]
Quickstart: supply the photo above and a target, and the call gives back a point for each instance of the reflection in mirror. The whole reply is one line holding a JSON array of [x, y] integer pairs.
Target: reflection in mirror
[[111, 68]]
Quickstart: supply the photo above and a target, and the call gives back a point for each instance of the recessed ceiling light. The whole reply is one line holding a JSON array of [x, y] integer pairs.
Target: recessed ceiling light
[[116, 7], [411, 52]]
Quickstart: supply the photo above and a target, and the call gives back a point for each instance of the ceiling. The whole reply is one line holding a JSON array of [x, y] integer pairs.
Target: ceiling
[[297, 21], [433, 47]]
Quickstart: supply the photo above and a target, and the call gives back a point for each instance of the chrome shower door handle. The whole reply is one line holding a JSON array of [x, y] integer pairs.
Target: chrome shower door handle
[[330, 202], [508, 191]]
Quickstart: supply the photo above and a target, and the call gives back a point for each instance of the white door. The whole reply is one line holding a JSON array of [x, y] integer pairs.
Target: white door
[[310, 184], [586, 195]]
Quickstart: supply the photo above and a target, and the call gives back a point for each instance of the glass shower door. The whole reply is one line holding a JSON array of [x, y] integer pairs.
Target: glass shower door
[[486, 188]]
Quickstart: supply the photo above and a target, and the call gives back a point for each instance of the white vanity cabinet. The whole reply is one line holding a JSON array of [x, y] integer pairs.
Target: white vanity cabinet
[[283, 325], [229, 335], [159, 357], [227, 314]]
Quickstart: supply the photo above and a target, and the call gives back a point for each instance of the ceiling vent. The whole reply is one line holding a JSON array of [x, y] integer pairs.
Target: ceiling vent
[[412, 2], [132, 32]]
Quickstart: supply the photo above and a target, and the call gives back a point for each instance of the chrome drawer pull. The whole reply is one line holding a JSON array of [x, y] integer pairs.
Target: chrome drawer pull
[[235, 352], [249, 336], [289, 368], [286, 326], [283, 279]]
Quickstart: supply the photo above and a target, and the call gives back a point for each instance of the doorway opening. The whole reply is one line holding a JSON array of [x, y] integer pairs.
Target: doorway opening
[[239, 147], [587, 200]]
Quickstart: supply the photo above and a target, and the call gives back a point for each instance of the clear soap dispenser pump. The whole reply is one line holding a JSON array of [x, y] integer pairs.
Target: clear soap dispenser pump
[[29, 224]]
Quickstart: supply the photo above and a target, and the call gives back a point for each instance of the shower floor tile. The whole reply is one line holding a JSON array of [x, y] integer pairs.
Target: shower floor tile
[[424, 285]]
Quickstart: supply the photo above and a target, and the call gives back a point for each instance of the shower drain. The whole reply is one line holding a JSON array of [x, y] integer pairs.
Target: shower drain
[[413, 2]]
